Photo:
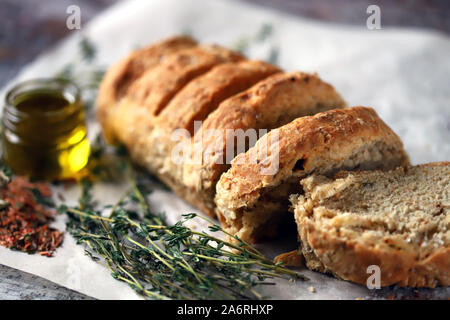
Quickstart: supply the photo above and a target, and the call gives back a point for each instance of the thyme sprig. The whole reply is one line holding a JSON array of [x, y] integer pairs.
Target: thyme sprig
[[163, 261]]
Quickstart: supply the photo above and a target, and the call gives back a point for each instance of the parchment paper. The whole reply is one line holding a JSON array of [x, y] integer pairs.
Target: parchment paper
[[403, 73]]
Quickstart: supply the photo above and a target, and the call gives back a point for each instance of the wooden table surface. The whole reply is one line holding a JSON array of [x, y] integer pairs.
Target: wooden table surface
[[28, 27]]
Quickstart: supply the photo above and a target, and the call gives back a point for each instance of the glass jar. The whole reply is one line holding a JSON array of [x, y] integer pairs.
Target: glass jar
[[44, 132]]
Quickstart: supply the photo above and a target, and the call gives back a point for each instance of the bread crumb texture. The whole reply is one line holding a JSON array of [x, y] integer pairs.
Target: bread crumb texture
[[398, 220]]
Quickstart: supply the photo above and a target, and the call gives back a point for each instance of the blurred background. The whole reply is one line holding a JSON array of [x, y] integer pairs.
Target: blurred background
[[28, 27]]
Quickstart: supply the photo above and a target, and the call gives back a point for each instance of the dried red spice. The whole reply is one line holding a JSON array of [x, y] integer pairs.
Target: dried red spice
[[25, 218]]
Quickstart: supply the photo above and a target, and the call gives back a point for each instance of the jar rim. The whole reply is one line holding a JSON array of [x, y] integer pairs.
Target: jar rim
[[67, 87]]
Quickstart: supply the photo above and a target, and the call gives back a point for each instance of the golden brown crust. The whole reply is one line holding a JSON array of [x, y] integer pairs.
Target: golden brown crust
[[269, 104], [202, 95], [311, 143], [327, 250], [349, 260], [156, 87], [135, 114], [121, 75]]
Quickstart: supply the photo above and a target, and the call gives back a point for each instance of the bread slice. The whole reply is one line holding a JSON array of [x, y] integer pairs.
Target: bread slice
[[398, 220], [252, 202], [269, 104], [120, 76]]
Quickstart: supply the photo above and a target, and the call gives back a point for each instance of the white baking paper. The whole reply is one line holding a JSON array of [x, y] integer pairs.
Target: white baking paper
[[403, 73]]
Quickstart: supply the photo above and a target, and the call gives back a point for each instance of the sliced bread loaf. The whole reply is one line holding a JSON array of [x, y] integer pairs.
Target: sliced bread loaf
[[252, 203], [150, 95], [398, 220]]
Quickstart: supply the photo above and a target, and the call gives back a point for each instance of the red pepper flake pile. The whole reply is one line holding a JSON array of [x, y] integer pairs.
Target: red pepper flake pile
[[25, 217]]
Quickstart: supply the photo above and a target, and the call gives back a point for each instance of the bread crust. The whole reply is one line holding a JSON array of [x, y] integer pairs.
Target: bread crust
[[120, 76], [136, 114], [269, 104], [204, 94], [157, 86], [317, 141], [326, 251]]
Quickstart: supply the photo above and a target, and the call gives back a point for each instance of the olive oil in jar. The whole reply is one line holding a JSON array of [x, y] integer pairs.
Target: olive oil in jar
[[44, 132]]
